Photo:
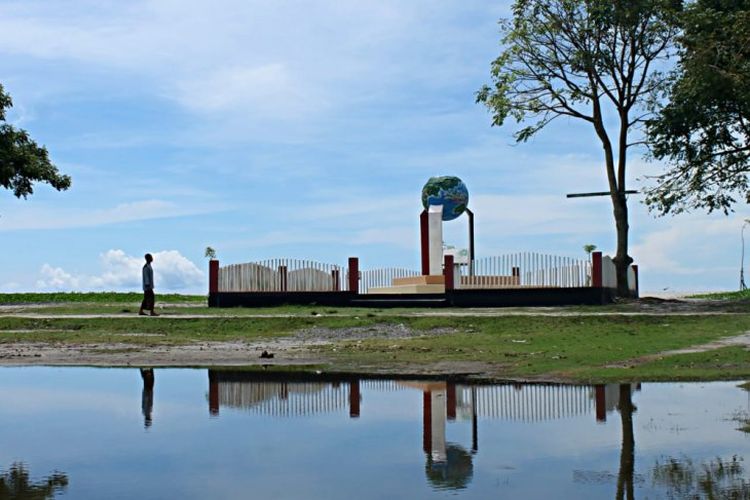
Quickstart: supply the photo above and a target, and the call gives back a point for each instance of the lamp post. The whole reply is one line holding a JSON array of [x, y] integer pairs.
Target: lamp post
[[742, 263]]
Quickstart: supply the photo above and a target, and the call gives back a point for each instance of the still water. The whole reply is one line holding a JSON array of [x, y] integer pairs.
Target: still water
[[168, 433]]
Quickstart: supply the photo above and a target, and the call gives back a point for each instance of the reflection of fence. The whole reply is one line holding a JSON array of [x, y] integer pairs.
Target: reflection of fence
[[527, 270], [281, 275], [526, 403], [529, 403], [291, 398], [373, 278], [284, 399]]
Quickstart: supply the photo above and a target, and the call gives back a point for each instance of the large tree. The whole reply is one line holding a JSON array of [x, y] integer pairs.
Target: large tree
[[589, 60], [22, 161], [703, 131]]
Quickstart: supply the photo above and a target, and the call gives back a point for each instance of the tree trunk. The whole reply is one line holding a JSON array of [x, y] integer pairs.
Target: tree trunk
[[622, 260], [616, 181], [620, 204]]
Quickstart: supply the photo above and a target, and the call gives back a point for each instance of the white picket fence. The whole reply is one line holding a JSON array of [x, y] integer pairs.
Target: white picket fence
[[527, 269], [374, 278], [282, 275]]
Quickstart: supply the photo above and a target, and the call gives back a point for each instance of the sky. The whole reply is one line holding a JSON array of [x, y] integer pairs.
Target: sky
[[290, 128]]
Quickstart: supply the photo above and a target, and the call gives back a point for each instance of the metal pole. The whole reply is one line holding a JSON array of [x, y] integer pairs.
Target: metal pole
[[471, 241], [742, 262]]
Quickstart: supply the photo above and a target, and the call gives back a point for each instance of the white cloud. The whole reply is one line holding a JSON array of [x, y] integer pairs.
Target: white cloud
[[172, 272], [39, 217], [690, 244], [55, 278], [269, 90]]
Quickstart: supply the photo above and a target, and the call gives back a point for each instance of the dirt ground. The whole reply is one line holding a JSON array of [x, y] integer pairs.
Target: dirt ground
[[298, 349]]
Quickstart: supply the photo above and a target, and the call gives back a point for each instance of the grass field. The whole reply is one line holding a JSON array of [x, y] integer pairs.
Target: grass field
[[622, 342], [93, 298]]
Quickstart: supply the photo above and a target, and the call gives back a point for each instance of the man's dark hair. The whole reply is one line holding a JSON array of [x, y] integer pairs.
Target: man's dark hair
[[148, 257]]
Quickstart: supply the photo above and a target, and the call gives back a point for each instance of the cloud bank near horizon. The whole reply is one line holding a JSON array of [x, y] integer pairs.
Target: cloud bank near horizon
[[121, 272]]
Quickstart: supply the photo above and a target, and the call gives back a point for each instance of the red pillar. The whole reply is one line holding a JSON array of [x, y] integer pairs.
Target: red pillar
[[213, 276], [424, 234], [601, 404], [354, 397], [596, 269], [354, 274], [451, 400], [213, 394], [448, 271], [336, 280], [427, 422]]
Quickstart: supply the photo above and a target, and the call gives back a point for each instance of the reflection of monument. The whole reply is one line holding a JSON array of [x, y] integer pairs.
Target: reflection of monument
[[607, 398], [448, 465]]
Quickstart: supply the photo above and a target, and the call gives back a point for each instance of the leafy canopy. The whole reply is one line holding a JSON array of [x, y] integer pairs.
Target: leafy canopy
[[570, 57], [22, 161], [590, 60], [704, 130]]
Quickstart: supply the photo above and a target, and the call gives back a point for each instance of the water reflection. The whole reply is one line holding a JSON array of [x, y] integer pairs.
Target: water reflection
[[16, 484], [147, 396], [627, 450], [448, 465], [297, 436], [716, 478]]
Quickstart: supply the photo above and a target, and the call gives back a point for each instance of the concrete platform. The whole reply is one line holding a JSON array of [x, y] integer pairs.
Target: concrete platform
[[433, 279], [407, 289]]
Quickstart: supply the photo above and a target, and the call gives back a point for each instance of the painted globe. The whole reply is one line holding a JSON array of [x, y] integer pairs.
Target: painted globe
[[448, 191]]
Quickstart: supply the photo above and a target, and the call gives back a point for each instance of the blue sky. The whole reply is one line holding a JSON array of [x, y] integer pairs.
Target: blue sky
[[272, 128]]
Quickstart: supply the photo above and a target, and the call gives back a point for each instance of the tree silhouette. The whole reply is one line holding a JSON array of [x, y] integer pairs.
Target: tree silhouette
[[16, 485]]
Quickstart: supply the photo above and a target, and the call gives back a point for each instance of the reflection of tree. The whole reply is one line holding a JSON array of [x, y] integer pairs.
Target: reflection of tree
[[454, 473], [716, 479], [15, 484], [627, 452]]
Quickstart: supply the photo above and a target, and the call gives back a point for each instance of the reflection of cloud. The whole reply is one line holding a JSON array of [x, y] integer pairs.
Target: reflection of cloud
[[172, 271]]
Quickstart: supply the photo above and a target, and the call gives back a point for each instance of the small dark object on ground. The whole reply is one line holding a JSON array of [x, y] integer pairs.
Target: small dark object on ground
[[266, 355], [125, 310]]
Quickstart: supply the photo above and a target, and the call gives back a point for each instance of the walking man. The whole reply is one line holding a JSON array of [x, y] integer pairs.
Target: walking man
[[148, 288]]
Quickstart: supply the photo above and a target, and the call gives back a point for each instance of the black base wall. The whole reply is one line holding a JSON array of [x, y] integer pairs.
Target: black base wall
[[270, 299], [507, 297]]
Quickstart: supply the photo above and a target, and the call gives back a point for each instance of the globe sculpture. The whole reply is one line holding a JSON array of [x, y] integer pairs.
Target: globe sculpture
[[448, 191]]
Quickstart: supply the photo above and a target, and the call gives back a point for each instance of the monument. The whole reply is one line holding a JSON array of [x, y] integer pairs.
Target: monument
[[444, 199]]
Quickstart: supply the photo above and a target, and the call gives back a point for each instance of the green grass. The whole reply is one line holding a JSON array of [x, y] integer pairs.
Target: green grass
[[728, 363], [739, 295], [543, 347], [93, 297], [576, 348]]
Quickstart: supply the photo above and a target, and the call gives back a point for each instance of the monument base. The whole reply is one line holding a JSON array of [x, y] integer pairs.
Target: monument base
[[434, 283], [404, 289]]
